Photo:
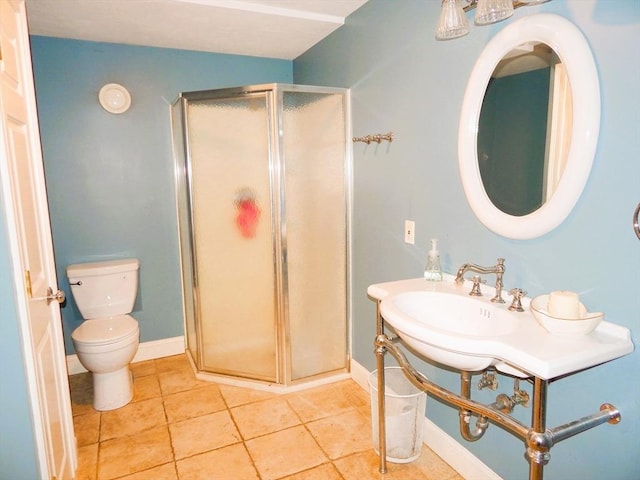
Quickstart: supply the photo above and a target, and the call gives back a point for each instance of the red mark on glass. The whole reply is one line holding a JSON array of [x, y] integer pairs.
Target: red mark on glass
[[248, 214]]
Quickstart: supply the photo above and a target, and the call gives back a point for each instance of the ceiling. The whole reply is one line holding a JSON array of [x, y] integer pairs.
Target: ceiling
[[263, 28]]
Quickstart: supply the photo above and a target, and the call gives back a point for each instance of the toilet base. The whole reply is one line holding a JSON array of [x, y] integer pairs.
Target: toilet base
[[112, 390]]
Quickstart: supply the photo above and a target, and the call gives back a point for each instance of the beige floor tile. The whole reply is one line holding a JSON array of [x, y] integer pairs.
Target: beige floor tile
[[332, 399], [228, 463], [342, 435], [207, 444], [193, 403], [82, 408], [87, 428], [126, 455], [178, 380], [284, 453], [172, 363], [80, 382], [434, 467], [142, 369], [261, 418], [201, 434], [323, 472], [163, 472], [365, 465], [87, 462], [236, 396], [81, 387], [132, 419], [146, 387]]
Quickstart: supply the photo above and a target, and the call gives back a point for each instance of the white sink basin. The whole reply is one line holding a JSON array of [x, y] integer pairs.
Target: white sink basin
[[451, 313], [435, 324], [442, 323]]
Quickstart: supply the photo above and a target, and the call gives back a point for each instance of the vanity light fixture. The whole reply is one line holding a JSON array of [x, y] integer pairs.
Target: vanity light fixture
[[453, 22]]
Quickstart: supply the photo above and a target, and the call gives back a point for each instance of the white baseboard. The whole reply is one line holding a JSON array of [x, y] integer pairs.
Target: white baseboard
[[446, 447], [146, 351]]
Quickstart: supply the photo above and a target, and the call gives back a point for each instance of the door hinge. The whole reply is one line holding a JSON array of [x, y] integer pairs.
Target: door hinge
[[27, 282]]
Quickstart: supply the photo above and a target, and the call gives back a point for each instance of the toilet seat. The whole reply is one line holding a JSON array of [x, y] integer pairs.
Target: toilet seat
[[105, 331]]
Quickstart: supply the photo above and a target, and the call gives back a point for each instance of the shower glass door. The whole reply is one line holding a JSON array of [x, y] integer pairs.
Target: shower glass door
[[229, 169], [262, 185]]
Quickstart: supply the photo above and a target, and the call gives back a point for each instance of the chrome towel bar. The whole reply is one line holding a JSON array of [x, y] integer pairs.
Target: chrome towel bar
[[378, 137]]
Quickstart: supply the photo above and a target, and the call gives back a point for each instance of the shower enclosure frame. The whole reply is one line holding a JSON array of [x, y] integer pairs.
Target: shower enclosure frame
[[184, 197]]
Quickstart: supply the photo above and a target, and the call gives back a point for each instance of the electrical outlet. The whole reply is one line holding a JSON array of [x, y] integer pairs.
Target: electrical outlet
[[409, 232]]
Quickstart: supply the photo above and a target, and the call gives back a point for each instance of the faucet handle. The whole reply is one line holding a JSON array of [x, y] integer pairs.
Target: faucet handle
[[475, 290], [516, 303]]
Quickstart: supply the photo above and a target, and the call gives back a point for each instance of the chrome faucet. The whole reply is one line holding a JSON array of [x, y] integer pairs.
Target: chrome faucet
[[498, 269]]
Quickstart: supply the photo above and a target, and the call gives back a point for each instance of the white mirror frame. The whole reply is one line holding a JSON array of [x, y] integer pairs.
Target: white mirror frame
[[574, 52]]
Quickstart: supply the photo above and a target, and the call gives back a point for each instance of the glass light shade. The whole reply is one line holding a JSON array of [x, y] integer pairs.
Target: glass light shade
[[452, 22], [492, 11]]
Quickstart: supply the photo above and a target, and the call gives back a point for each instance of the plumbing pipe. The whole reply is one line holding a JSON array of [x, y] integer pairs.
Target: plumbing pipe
[[465, 415], [504, 403]]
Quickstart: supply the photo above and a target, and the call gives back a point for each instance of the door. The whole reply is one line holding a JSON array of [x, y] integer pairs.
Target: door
[[22, 176], [231, 188]]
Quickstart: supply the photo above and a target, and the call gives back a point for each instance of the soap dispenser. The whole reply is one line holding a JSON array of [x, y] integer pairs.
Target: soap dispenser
[[433, 270]]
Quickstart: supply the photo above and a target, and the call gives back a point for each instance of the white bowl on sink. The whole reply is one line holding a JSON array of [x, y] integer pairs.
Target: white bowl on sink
[[583, 325]]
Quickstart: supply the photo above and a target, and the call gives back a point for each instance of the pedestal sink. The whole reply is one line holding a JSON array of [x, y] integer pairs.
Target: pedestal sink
[[441, 322]]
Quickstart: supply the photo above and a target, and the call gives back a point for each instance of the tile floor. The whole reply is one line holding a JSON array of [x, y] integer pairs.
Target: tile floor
[[180, 428]]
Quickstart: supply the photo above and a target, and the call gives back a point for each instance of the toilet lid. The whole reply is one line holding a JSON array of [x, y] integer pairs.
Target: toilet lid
[[100, 331]]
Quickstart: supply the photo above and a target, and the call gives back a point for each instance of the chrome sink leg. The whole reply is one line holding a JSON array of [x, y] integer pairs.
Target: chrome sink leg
[[380, 351], [538, 451]]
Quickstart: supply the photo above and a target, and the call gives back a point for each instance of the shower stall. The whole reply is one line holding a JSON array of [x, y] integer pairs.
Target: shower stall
[[263, 189]]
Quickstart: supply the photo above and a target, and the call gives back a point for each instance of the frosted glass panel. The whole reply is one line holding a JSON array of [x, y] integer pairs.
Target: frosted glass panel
[[316, 236], [231, 205]]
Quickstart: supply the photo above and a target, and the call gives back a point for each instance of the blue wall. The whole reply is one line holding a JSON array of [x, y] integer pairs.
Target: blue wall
[[402, 80], [110, 177]]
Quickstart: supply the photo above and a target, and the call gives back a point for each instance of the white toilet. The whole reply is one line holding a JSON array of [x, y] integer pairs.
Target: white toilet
[[108, 339]]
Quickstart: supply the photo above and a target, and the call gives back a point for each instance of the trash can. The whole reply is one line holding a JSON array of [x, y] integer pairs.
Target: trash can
[[404, 413]]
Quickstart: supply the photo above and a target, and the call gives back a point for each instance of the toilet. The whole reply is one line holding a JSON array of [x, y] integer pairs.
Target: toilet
[[108, 338]]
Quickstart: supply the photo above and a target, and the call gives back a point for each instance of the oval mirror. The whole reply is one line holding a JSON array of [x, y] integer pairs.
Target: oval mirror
[[529, 126]]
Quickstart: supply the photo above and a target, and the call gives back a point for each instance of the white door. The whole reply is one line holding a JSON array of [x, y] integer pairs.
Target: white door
[[22, 176]]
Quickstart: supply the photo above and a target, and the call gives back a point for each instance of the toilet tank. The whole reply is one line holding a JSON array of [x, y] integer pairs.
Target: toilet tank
[[104, 289]]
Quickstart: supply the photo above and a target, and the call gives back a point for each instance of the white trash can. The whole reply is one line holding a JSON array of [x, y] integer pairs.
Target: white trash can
[[404, 413]]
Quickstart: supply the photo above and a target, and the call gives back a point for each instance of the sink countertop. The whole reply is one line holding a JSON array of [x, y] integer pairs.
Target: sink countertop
[[530, 347]]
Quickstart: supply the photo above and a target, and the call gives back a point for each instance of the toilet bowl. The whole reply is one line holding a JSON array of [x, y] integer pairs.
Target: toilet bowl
[[105, 347], [108, 338]]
